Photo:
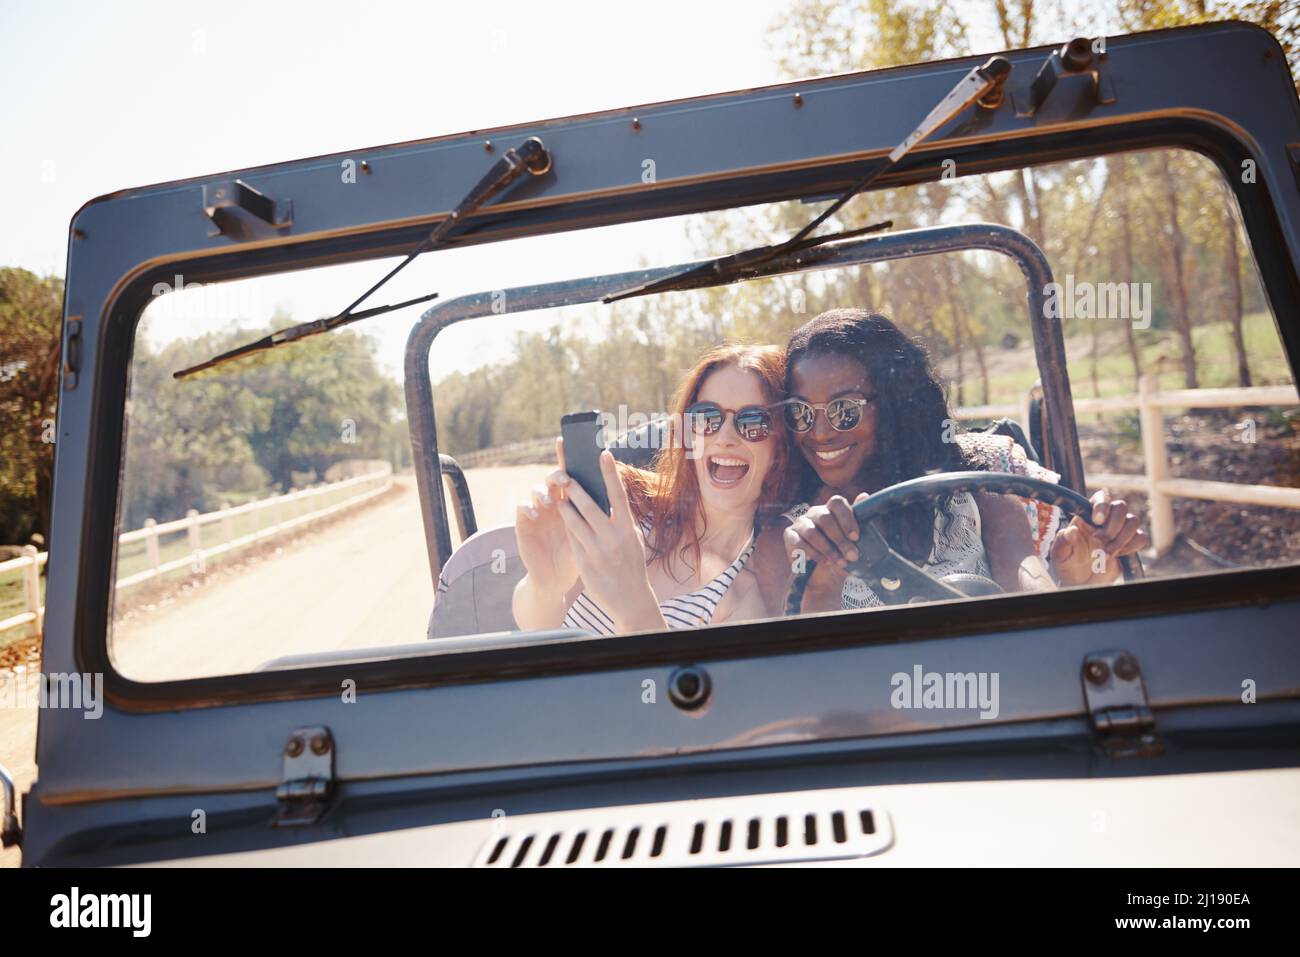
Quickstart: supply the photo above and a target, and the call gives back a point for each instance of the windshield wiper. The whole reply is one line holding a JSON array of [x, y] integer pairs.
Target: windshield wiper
[[982, 83], [301, 331], [530, 156]]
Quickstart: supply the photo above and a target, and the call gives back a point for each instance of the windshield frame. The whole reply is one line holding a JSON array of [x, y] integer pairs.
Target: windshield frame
[[828, 630], [92, 472]]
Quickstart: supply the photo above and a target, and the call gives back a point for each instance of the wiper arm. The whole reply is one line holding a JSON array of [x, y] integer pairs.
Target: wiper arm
[[530, 156], [737, 265], [300, 331], [981, 83]]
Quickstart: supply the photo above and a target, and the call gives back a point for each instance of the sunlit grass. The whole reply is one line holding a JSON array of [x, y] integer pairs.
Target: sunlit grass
[[1159, 355]]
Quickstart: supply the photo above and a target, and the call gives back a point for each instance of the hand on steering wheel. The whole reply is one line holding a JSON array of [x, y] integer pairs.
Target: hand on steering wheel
[[1090, 553], [824, 533], [827, 534]]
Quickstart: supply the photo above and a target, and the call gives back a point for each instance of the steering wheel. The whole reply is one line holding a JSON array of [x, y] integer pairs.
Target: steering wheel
[[893, 578]]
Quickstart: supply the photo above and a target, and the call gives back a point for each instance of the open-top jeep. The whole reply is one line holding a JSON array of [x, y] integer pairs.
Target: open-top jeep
[[320, 693]]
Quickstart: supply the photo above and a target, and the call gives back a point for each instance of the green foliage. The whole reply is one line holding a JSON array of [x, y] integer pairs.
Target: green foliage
[[30, 311], [249, 428]]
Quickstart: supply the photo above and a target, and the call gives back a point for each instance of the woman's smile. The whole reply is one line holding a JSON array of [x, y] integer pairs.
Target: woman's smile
[[831, 454], [727, 471]]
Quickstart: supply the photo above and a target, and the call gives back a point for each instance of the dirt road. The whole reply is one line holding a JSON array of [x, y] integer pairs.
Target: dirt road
[[360, 581]]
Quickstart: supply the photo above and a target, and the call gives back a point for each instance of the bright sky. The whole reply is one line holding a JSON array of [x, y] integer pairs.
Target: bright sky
[[99, 97], [104, 96]]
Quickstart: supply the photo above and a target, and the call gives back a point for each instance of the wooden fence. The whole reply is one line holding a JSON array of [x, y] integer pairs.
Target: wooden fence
[[1154, 481], [283, 511]]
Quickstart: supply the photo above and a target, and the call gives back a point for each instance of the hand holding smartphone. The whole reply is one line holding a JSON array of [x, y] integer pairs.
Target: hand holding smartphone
[[583, 442]]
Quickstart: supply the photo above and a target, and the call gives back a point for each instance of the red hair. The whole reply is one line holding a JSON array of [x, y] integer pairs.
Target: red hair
[[668, 494]]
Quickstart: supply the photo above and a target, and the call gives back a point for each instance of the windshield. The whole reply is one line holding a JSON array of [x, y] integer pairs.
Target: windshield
[[271, 508]]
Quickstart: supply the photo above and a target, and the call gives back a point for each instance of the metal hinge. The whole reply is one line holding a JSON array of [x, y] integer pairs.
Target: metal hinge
[[1117, 705], [1069, 85], [308, 780], [242, 212], [72, 353]]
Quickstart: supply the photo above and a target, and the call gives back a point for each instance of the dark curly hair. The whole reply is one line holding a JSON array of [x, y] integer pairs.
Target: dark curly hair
[[912, 413]]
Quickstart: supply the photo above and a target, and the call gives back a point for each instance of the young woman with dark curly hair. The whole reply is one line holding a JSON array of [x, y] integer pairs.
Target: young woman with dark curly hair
[[866, 411]]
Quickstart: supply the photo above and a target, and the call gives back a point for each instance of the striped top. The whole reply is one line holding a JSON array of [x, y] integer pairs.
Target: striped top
[[693, 610]]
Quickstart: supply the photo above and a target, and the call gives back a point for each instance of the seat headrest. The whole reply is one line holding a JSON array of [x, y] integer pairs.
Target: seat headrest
[[639, 446]]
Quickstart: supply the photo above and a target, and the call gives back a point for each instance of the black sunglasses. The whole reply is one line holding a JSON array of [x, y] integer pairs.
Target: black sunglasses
[[843, 414], [753, 422]]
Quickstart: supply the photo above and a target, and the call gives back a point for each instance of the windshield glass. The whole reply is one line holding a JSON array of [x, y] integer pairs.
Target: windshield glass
[[271, 507]]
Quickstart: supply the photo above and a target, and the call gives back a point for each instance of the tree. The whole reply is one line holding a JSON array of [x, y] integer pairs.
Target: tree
[[245, 429], [31, 309], [187, 442], [1236, 296], [1122, 261]]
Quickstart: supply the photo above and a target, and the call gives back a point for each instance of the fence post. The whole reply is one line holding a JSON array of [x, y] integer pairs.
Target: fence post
[[151, 544], [1024, 404], [196, 541], [227, 523], [32, 589], [1156, 465]]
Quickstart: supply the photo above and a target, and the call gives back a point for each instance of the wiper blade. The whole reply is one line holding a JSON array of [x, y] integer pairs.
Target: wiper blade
[[293, 333], [982, 83], [530, 156], [738, 265]]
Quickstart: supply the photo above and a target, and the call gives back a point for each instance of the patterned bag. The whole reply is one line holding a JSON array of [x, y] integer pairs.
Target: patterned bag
[[1001, 453]]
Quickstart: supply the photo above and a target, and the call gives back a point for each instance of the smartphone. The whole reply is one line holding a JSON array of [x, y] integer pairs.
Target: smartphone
[[583, 434]]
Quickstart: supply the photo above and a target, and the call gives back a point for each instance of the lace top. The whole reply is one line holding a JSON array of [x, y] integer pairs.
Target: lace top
[[958, 534], [958, 547]]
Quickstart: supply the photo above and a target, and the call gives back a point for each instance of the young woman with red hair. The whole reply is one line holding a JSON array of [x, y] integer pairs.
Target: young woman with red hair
[[673, 550]]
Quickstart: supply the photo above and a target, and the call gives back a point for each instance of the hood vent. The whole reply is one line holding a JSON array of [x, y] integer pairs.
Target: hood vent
[[753, 829]]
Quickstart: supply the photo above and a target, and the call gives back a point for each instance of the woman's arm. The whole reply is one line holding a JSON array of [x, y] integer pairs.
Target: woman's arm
[[610, 553], [825, 534], [825, 591], [743, 601], [541, 597], [771, 568], [1084, 554], [537, 607], [1013, 560]]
